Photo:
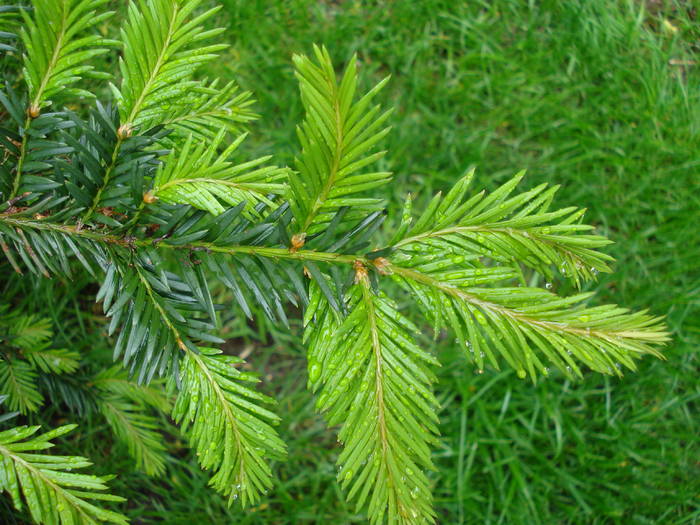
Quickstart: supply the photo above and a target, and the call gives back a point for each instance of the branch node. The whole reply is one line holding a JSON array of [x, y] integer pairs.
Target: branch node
[[125, 131], [360, 272], [33, 111], [382, 265], [298, 241], [149, 198]]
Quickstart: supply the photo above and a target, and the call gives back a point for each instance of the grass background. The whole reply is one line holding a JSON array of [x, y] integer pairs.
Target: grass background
[[598, 96]]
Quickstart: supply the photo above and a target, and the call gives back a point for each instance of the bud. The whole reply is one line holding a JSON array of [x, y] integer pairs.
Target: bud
[[124, 131], [382, 265], [33, 111], [360, 272], [298, 240], [149, 198]]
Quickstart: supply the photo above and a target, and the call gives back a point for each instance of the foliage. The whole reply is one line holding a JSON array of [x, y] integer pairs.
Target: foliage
[[45, 482], [336, 138], [143, 198], [376, 381], [198, 179]]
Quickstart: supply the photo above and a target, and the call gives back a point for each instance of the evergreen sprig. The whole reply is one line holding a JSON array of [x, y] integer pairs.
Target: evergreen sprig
[[208, 108], [59, 42], [163, 47], [449, 261], [18, 379], [336, 139], [508, 229], [200, 176], [32, 370], [46, 483], [26, 349], [125, 406], [151, 198], [376, 381], [226, 425]]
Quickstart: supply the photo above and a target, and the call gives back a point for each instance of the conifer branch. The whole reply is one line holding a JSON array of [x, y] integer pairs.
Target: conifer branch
[[124, 405], [138, 430], [336, 138], [157, 70], [18, 383], [101, 195], [197, 175], [56, 58], [375, 381], [124, 241], [507, 229], [520, 323], [230, 432], [53, 493], [211, 109]]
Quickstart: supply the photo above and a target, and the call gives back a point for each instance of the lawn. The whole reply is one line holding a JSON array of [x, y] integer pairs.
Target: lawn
[[597, 96]]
